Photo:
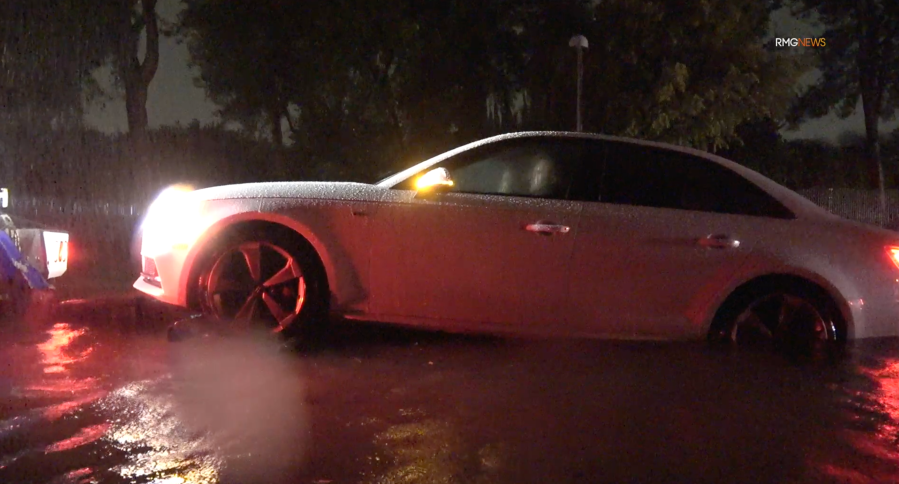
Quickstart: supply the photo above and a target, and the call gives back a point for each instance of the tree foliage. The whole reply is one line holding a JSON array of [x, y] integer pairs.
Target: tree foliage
[[859, 63], [802, 163], [413, 77], [682, 72], [47, 51]]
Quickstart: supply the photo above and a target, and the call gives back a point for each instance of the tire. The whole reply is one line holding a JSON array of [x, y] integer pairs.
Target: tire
[[783, 316], [269, 282]]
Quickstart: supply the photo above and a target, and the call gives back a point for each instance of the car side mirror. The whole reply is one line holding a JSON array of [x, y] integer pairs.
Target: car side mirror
[[435, 181]]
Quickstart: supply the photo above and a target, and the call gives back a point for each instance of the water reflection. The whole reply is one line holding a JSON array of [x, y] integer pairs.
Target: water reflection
[[867, 387], [887, 397], [85, 436], [57, 356], [432, 451], [50, 395], [446, 412], [78, 476], [54, 351], [159, 447], [227, 409], [246, 397], [578, 413]]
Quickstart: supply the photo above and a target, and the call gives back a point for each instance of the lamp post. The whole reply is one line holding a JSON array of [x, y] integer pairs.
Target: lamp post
[[579, 42]]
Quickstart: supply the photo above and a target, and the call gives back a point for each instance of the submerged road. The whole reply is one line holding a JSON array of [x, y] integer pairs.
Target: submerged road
[[97, 397]]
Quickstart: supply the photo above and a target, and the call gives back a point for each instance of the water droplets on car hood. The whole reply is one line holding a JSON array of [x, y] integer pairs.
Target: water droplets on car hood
[[318, 190]]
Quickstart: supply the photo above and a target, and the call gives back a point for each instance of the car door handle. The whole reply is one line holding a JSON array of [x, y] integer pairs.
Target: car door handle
[[547, 229], [718, 241]]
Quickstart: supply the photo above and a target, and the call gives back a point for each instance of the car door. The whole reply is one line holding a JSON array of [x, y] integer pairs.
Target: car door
[[665, 230], [495, 250]]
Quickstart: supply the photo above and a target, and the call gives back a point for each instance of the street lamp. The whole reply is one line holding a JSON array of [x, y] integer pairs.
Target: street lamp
[[580, 43]]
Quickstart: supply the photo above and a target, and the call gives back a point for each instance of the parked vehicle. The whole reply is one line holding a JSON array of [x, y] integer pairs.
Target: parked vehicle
[[45, 249], [539, 232], [30, 258]]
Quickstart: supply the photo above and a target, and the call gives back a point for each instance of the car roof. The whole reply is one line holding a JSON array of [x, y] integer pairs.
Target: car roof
[[791, 199]]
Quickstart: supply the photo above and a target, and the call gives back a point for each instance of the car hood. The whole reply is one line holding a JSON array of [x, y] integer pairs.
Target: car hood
[[310, 190]]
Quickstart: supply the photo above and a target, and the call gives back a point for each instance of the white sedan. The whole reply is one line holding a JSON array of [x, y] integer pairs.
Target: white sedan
[[544, 233]]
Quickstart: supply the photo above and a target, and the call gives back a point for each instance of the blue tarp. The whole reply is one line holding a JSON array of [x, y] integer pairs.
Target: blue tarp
[[12, 261]]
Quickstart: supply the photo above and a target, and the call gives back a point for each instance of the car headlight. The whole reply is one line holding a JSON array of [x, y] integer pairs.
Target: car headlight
[[172, 221]]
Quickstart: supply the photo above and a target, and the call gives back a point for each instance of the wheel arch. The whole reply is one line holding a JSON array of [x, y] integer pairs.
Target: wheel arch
[[815, 282], [250, 222]]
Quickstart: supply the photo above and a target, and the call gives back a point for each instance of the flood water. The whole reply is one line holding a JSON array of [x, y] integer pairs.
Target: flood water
[[85, 401]]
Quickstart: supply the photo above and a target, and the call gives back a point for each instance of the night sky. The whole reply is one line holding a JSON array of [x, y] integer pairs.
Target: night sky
[[174, 97]]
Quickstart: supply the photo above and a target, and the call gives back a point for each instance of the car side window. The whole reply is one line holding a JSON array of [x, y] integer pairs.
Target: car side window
[[539, 168], [654, 177]]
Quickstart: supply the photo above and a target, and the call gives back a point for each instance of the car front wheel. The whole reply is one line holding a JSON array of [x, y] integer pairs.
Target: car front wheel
[[269, 284]]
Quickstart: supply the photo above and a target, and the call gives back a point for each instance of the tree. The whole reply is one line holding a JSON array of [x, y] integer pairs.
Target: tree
[[239, 65], [346, 75], [47, 51], [129, 19], [860, 62], [50, 48], [415, 77], [681, 72], [762, 148]]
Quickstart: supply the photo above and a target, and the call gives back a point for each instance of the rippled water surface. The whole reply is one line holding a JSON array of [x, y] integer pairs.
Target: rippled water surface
[[85, 405]]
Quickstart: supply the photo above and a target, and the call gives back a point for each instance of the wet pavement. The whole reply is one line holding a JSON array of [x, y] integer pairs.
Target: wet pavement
[[95, 395]]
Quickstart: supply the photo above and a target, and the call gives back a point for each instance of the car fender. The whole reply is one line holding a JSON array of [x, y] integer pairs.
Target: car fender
[[339, 273], [838, 287]]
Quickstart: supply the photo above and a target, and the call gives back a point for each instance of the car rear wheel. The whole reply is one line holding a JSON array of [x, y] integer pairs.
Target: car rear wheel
[[787, 318], [268, 284]]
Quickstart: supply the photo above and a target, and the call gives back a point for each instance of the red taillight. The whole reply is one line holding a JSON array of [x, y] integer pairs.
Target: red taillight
[[893, 252]]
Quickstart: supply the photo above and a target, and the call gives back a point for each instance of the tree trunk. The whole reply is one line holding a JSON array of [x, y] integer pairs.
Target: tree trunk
[[872, 95], [275, 126], [136, 108], [136, 74], [279, 158], [872, 145]]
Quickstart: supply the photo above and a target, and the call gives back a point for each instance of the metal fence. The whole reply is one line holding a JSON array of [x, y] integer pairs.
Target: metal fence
[[103, 235], [855, 204], [110, 228], [36, 206]]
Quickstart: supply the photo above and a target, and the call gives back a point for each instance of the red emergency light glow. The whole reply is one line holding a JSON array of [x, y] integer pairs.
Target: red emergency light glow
[[893, 252]]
